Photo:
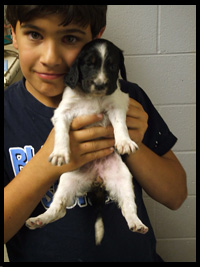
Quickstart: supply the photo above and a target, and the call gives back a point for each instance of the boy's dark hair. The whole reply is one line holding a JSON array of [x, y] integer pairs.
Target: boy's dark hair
[[83, 15]]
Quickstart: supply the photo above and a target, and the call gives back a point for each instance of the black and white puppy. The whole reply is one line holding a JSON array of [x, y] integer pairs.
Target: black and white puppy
[[93, 87]]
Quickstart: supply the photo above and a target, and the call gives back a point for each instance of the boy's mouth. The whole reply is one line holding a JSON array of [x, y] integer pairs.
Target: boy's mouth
[[49, 76]]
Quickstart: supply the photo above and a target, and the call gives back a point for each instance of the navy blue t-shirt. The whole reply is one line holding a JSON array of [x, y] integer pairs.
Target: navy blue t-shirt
[[71, 239]]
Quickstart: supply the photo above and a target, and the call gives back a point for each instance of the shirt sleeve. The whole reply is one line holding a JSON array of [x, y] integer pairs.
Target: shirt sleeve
[[158, 137]]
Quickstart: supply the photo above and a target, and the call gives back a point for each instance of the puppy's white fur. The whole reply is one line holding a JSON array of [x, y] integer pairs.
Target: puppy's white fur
[[115, 174]]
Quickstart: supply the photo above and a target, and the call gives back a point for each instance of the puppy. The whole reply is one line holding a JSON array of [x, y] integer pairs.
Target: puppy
[[93, 87]]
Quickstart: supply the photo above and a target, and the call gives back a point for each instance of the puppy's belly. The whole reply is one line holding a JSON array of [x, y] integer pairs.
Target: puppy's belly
[[111, 164]]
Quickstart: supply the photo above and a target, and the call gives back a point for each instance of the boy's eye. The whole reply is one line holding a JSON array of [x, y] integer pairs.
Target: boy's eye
[[34, 36], [70, 39]]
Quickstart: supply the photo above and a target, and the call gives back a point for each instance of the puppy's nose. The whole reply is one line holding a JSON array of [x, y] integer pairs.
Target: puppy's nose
[[100, 85]]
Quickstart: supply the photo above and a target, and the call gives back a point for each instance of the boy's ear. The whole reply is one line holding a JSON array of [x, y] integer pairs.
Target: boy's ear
[[14, 38], [100, 33], [72, 77], [122, 66]]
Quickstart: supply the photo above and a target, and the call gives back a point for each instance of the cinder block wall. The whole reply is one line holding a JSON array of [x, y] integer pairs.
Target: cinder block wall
[[159, 43]]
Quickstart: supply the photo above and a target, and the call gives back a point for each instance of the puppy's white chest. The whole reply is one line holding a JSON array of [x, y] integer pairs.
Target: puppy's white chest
[[87, 106]]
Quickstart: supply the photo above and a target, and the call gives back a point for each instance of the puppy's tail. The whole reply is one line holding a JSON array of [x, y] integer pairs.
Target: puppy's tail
[[97, 196], [99, 230]]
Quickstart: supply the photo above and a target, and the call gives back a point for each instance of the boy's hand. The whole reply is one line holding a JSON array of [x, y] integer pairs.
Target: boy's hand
[[85, 144], [88, 144], [137, 121]]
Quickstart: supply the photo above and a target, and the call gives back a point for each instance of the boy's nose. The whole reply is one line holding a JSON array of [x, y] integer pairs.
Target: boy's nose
[[50, 55]]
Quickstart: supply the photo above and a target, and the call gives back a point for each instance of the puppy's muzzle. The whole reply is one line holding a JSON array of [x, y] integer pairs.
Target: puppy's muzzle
[[99, 86]]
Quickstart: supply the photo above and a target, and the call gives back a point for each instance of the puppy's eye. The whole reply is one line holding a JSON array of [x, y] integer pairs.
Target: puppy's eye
[[111, 64], [91, 61], [113, 67]]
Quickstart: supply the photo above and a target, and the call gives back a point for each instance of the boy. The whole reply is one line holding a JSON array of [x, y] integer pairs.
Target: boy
[[48, 39]]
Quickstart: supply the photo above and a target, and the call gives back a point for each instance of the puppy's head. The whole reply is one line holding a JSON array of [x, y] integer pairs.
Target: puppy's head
[[96, 69]]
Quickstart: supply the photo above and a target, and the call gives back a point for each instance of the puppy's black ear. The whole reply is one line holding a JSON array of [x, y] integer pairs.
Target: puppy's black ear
[[122, 66], [72, 77]]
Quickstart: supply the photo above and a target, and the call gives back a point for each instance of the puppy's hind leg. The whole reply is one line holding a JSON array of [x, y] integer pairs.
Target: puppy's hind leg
[[119, 184], [64, 196]]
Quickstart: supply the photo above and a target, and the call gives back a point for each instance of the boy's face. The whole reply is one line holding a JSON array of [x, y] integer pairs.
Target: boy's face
[[46, 52]]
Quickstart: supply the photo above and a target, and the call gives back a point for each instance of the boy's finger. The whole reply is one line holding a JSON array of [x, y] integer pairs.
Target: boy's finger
[[98, 154], [92, 133], [85, 120], [96, 145]]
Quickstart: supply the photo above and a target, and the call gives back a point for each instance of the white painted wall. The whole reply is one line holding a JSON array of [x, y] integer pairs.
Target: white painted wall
[[159, 43]]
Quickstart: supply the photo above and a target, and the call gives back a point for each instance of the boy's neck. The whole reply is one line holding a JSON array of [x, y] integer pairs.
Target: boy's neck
[[49, 101]]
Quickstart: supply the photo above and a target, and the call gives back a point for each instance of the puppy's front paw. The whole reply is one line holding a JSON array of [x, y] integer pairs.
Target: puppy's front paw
[[59, 158], [126, 146]]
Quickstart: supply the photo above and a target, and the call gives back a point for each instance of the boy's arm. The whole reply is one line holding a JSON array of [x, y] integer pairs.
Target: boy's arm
[[163, 178], [34, 180]]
